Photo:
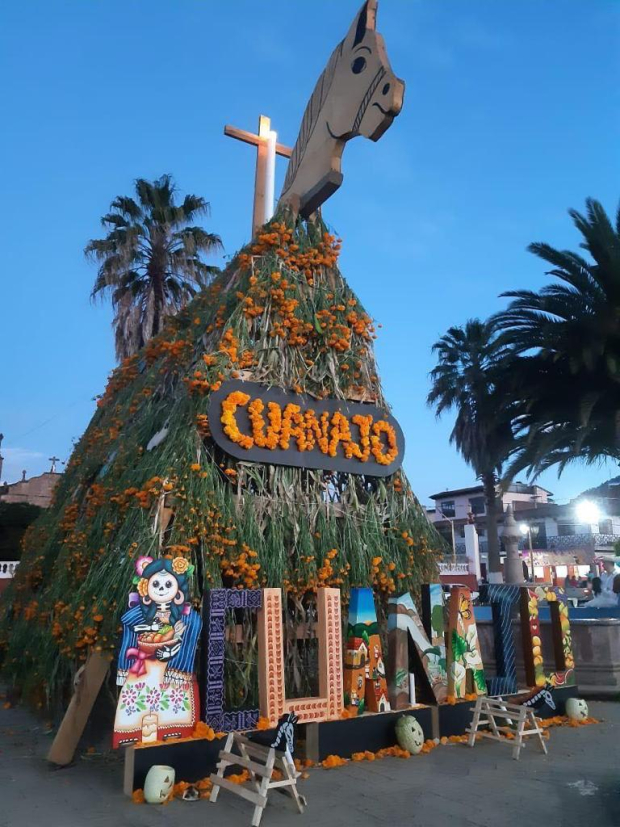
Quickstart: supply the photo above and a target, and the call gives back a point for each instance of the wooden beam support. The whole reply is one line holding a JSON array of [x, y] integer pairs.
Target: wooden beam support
[[76, 716]]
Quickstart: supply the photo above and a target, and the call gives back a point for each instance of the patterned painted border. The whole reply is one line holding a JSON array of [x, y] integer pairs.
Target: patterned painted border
[[216, 603]]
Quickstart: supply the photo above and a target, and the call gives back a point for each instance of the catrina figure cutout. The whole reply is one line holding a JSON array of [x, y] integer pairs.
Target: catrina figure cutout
[[159, 698]]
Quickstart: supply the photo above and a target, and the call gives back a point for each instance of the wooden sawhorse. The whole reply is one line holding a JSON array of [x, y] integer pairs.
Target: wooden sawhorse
[[518, 720], [260, 762]]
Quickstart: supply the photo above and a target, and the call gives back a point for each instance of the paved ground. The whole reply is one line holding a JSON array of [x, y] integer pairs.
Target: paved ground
[[578, 783]]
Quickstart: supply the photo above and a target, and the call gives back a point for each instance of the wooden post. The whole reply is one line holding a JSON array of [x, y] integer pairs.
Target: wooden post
[[260, 182]]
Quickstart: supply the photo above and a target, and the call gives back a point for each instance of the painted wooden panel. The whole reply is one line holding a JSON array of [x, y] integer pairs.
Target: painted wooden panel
[[365, 684], [465, 667]]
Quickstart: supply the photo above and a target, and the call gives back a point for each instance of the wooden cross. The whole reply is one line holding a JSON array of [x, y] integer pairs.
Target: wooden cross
[[53, 460], [264, 184]]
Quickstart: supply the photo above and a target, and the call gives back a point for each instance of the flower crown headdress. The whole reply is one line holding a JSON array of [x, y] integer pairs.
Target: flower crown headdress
[[179, 566]]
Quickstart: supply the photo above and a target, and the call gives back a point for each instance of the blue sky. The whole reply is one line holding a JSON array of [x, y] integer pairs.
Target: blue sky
[[510, 118]]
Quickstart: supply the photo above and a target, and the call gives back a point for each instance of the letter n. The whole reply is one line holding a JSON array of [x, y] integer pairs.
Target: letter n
[[404, 625]]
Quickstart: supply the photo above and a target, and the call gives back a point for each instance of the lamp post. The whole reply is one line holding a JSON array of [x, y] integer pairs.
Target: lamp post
[[513, 568], [527, 530], [588, 513]]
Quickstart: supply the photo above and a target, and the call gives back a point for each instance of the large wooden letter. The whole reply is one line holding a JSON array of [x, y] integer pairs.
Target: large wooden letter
[[502, 599], [464, 657], [404, 623], [216, 603], [272, 694], [365, 686], [564, 674]]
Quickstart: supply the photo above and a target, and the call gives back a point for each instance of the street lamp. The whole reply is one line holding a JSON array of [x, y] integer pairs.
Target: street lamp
[[588, 512], [527, 530]]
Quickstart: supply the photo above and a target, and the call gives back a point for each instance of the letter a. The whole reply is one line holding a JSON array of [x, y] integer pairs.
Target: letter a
[[365, 686]]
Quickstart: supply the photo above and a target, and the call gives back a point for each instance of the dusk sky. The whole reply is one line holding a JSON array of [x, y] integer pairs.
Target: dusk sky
[[510, 118]]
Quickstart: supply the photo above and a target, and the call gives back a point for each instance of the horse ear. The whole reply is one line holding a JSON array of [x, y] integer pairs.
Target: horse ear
[[365, 20], [371, 14]]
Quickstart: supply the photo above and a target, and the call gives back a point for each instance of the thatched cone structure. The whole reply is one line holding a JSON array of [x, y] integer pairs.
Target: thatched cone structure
[[146, 478]]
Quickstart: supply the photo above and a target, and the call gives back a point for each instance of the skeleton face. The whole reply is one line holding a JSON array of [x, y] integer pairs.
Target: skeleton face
[[158, 784], [409, 734], [577, 709], [162, 587]]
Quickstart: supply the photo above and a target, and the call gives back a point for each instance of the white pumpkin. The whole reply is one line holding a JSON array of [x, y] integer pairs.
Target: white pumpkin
[[409, 734], [576, 709], [158, 783]]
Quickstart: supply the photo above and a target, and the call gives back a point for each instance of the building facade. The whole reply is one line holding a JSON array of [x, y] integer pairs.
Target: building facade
[[33, 490], [561, 545], [459, 506]]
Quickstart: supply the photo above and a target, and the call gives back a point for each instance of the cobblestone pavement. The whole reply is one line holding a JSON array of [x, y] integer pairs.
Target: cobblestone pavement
[[578, 783]]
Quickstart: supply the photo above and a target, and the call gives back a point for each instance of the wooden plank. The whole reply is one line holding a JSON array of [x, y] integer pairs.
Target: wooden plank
[[255, 140], [129, 770], [72, 726], [501, 706], [255, 750], [237, 789], [287, 782], [257, 769]]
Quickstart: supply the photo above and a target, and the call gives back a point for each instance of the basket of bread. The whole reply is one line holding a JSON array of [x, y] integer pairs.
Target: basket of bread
[[150, 642]]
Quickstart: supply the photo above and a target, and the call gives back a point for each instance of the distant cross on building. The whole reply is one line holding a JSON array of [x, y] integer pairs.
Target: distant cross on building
[[264, 183], [53, 460]]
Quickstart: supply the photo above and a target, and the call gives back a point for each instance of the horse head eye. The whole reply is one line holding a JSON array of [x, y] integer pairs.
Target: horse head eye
[[358, 65]]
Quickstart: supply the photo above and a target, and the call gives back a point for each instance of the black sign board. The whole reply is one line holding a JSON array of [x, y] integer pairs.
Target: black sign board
[[257, 423]]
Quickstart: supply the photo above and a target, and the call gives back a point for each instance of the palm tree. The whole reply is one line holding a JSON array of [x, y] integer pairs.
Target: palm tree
[[566, 339], [150, 260], [471, 359]]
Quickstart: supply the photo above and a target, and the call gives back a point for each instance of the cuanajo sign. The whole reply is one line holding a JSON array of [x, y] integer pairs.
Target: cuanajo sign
[[257, 423]]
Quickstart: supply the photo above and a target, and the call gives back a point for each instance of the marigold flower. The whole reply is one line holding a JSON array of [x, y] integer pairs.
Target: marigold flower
[[180, 565]]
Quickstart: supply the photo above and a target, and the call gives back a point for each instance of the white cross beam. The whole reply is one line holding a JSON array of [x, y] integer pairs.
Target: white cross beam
[[264, 184]]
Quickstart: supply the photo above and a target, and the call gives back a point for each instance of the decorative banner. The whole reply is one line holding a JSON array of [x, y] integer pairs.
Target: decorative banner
[[564, 674], [260, 424], [365, 686], [502, 599], [403, 623], [159, 698], [216, 603], [273, 703], [464, 649]]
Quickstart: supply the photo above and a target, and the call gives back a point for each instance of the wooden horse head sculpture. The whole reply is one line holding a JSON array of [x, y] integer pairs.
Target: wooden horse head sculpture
[[357, 94]]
